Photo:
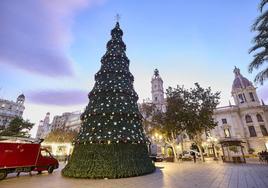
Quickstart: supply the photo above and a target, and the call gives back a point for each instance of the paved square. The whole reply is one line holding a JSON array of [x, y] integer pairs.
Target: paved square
[[170, 175]]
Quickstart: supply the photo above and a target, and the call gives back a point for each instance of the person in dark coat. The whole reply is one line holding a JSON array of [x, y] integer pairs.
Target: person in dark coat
[[194, 156]]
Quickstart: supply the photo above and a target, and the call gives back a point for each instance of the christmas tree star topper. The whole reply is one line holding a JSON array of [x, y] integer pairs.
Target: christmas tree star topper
[[117, 17]]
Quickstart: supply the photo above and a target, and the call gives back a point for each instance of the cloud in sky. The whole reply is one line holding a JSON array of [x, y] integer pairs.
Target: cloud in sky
[[35, 35], [58, 97]]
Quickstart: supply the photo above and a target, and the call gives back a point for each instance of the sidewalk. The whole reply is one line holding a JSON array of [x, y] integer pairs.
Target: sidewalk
[[210, 174]]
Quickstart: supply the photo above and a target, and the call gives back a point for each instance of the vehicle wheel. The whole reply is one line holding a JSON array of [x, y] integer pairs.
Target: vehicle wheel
[[39, 172], [3, 174], [50, 169]]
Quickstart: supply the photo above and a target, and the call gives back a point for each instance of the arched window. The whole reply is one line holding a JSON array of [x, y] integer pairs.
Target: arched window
[[241, 99], [248, 119], [264, 130], [251, 96], [227, 133], [259, 118], [252, 131]]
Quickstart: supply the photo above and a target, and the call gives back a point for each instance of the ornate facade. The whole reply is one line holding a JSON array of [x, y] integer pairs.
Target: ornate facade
[[246, 120], [10, 109]]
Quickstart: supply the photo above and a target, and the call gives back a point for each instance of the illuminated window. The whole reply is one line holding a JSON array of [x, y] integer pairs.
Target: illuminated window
[[208, 134], [227, 133]]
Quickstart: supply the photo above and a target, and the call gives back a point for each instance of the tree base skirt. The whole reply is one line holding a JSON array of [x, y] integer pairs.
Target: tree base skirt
[[109, 161]]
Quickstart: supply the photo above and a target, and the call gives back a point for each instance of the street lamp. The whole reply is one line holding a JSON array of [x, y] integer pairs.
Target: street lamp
[[157, 137]]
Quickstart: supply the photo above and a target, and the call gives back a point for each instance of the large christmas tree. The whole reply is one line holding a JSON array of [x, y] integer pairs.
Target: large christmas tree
[[111, 142]]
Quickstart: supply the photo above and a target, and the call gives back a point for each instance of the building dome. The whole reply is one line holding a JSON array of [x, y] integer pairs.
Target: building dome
[[240, 82]]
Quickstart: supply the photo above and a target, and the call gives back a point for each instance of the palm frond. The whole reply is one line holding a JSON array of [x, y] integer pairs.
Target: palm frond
[[258, 60], [262, 44], [262, 4], [261, 76], [262, 37], [260, 21]]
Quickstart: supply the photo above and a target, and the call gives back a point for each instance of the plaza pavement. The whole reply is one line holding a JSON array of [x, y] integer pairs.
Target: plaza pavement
[[169, 175]]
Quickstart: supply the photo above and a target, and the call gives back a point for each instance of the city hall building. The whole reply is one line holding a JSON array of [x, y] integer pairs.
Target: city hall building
[[246, 120]]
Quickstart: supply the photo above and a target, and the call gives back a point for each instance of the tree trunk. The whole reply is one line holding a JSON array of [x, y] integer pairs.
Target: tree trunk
[[201, 151], [173, 145], [182, 147], [174, 152]]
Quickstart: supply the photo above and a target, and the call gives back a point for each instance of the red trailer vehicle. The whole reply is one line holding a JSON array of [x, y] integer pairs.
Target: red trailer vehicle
[[24, 155]]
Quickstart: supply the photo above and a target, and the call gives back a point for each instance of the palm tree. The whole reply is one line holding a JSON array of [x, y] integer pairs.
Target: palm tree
[[260, 42]]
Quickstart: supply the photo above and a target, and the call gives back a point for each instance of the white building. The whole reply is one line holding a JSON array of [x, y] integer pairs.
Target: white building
[[10, 109], [44, 127], [74, 121], [247, 120], [68, 120]]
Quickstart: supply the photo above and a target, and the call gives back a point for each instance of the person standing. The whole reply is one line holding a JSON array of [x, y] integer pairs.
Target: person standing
[[194, 156]]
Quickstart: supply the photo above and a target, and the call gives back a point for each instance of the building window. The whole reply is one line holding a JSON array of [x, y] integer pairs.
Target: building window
[[244, 97], [155, 98], [224, 121], [263, 130], [5, 122], [208, 134], [227, 133], [251, 96], [241, 99], [252, 132], [248, 119], [259, 118], [155, 86]]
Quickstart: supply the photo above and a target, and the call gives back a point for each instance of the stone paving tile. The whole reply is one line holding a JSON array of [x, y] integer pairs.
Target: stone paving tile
[[168, 175]]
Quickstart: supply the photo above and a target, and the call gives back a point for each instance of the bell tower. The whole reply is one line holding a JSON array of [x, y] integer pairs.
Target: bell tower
[[21, 99], [243, 91], [157, 91]]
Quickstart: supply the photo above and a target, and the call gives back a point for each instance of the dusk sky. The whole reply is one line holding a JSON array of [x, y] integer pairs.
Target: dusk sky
[[50, 50]]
